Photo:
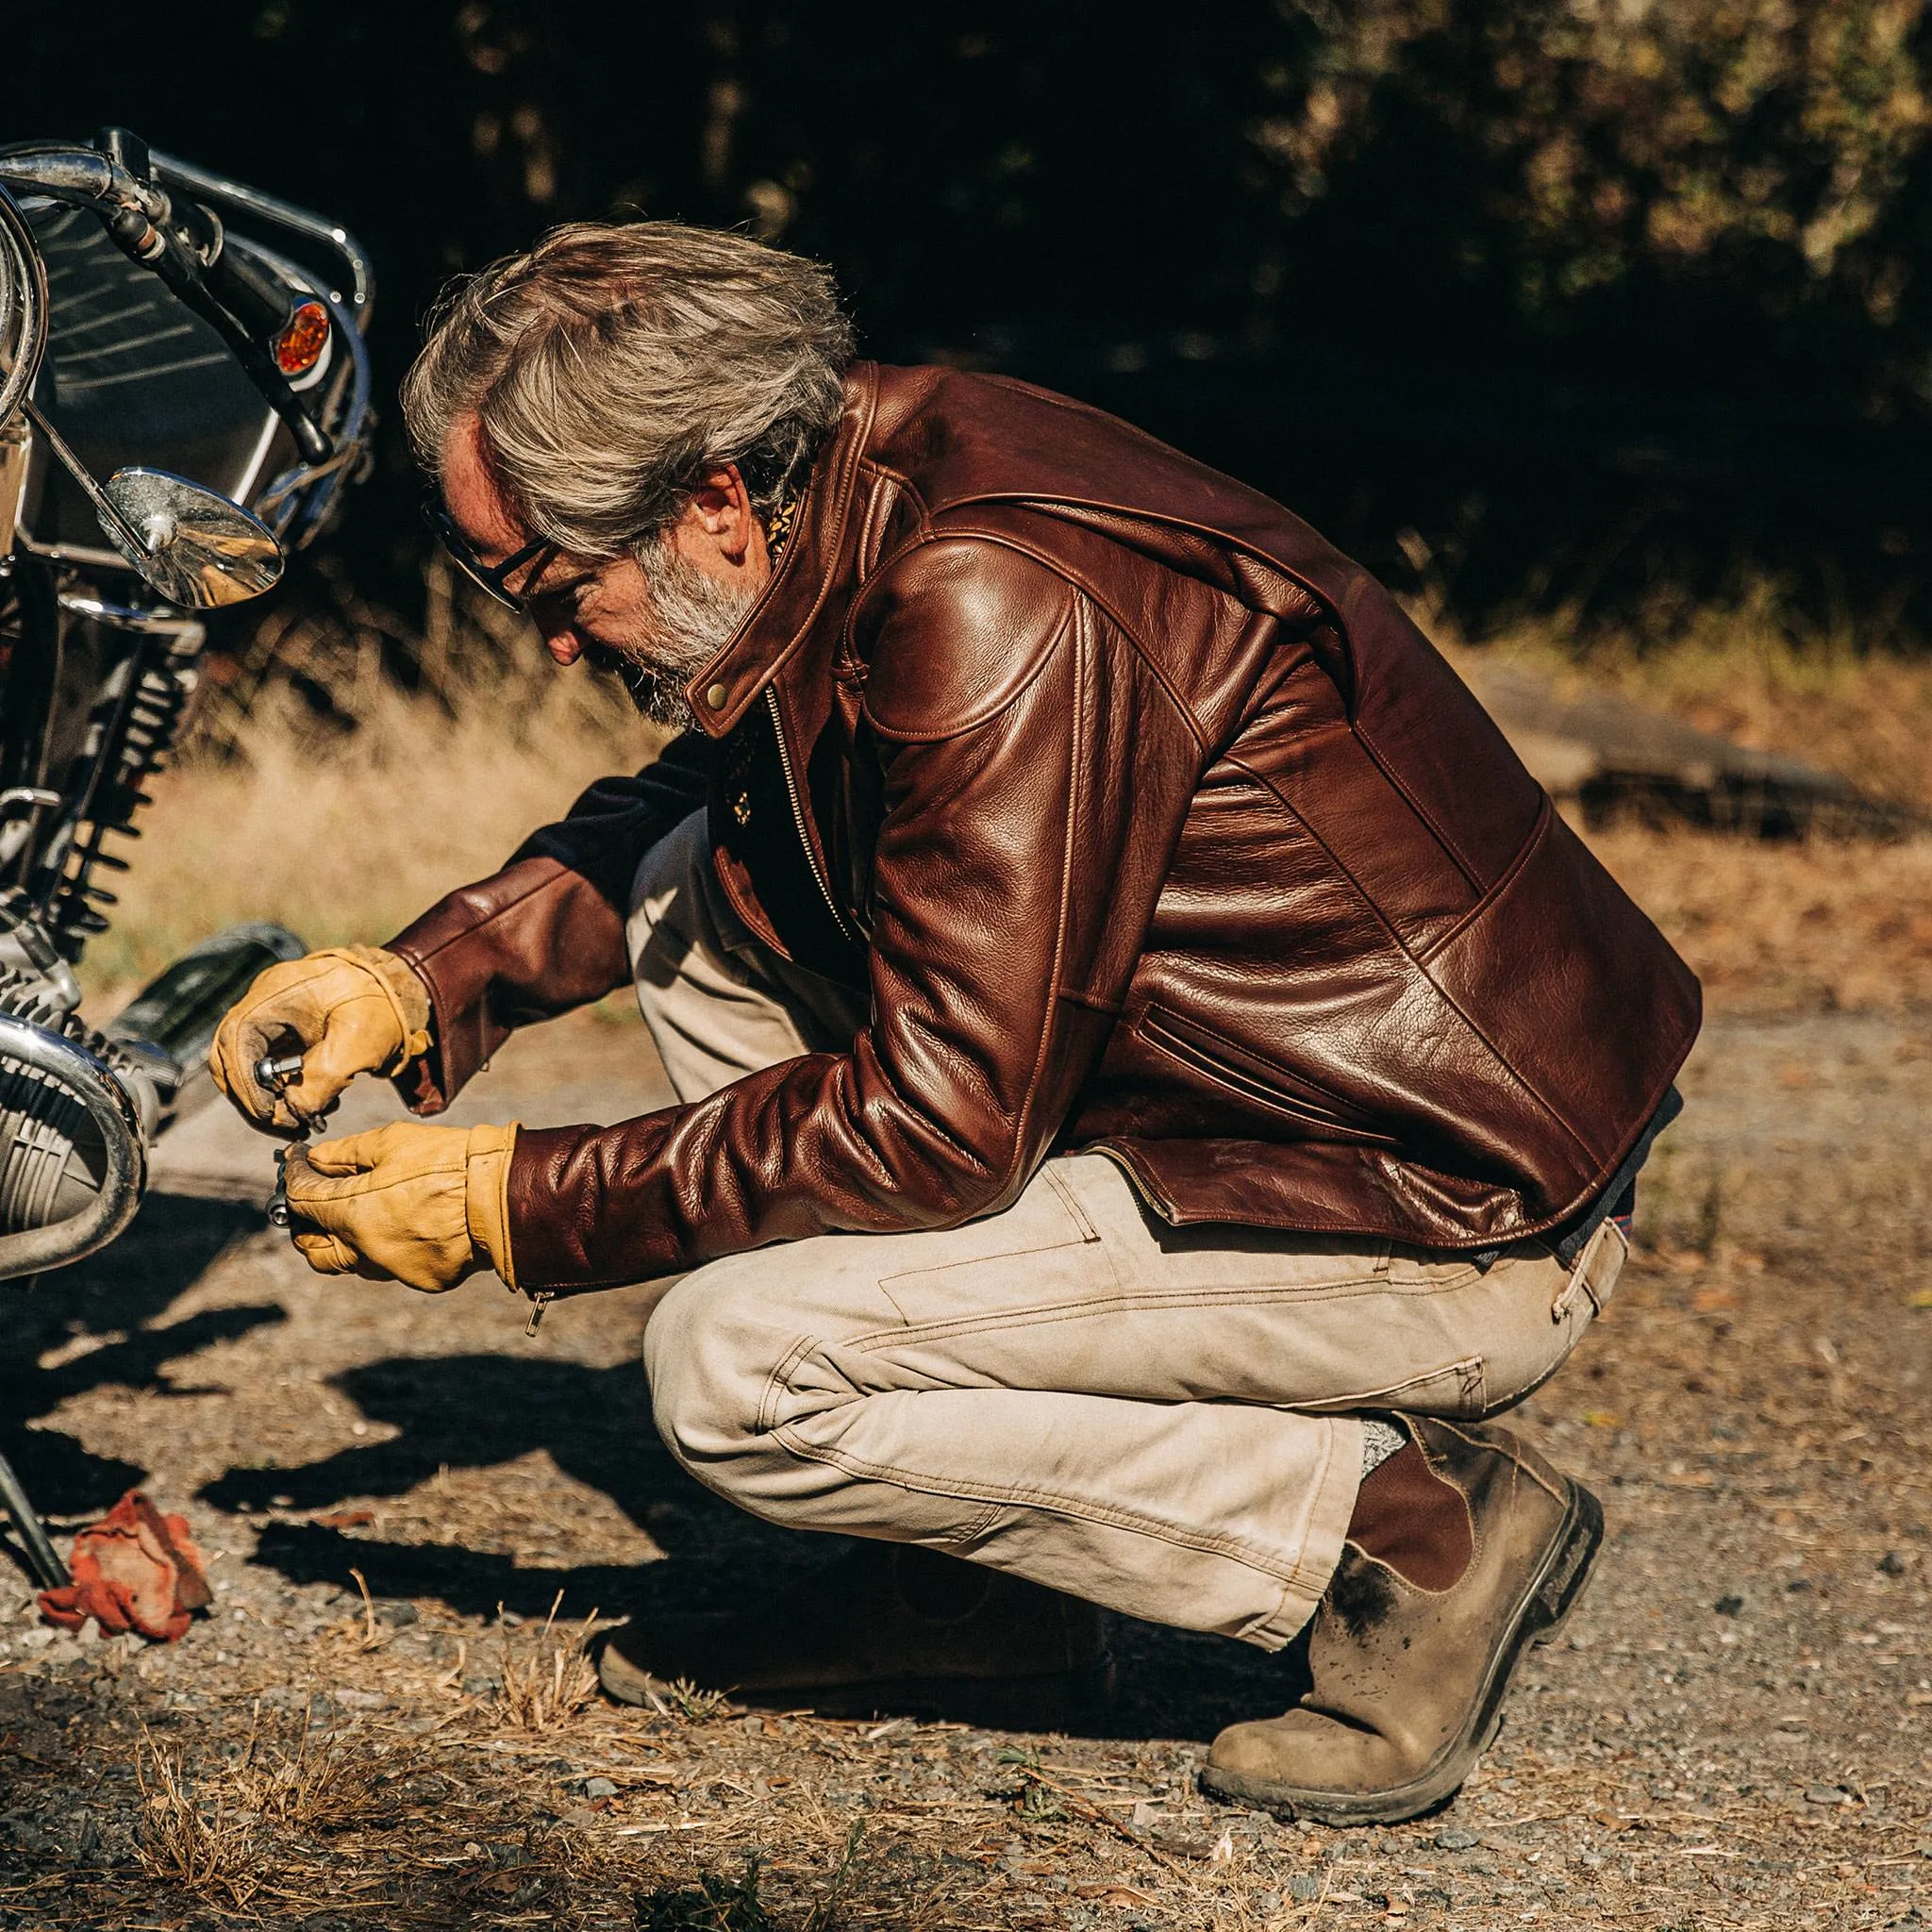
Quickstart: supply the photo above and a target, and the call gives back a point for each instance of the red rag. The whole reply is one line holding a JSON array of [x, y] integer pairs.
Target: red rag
[[133, 1570]]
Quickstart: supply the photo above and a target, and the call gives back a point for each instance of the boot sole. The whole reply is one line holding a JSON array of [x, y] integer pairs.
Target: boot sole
[[1051, 1701], [1546, 1606]]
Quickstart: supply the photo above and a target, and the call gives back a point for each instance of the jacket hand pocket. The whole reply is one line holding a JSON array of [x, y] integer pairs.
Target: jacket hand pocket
[[1255, 1082]]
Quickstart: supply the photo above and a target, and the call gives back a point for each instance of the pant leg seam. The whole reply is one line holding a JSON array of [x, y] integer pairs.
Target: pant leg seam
[[1123, 1302], [778, 1383], [1003, 1496]]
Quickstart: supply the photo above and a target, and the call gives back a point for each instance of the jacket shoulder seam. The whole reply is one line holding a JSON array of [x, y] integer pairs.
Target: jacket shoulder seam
[[1088, 592], [1008, 694], [1023, 1120], [910, 492]]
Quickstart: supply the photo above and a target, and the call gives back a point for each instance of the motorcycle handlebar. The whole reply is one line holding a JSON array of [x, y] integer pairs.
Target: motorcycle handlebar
[[83, 175], [186, 252]]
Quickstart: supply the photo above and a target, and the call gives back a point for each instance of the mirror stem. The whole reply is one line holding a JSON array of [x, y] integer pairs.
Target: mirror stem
[[104, 507]]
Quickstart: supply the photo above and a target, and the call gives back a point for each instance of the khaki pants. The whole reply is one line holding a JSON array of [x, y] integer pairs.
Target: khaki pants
[[1158, 1419]]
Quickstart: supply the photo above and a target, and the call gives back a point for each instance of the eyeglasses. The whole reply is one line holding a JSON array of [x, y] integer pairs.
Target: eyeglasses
[[492, 579]]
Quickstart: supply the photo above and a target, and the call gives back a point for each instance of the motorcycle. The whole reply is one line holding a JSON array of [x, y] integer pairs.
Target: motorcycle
[[184, 400]]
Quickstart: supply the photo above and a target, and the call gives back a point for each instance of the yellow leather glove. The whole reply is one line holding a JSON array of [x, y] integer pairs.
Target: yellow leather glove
[[347, 1010], [410, 1203]]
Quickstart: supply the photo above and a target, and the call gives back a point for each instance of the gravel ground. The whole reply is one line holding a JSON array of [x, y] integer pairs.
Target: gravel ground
[[375, 1726]]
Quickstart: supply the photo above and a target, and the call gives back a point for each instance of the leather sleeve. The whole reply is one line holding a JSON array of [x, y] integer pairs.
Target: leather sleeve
[[547, 932], [1016, 871]]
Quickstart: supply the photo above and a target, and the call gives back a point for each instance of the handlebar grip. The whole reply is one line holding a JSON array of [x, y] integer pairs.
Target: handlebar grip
[[259, 304]]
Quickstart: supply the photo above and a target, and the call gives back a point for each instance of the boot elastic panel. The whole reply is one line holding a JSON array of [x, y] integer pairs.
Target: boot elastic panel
[[1414, 1520]]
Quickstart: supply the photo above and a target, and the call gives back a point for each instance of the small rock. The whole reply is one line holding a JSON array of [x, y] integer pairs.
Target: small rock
[[398, 1615], [1826, 1794], [1891, 1564], [1798, 1583], [1305, 1886], [1730, 1606], [599, 1788], [1456, 1839]]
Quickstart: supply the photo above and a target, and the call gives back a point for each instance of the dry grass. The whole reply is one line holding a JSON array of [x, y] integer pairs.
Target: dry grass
[[221, 1828], [347, 837], [1754, 670], [1786, 928], [546, 1676], [336, 1783], [191, 1836], [718, 1903]]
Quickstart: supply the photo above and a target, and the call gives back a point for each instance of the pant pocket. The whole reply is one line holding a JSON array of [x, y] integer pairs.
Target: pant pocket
[[1042, 1250], [1458, 1388]]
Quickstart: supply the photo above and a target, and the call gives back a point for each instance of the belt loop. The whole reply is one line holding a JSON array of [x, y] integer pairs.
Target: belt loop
[[1596, 1273]]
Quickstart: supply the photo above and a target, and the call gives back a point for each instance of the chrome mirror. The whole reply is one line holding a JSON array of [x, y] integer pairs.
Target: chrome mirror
[[192, 546], [196, 547]]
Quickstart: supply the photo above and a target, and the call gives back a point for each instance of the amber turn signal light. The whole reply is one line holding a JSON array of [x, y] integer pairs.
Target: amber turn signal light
[[299, 346]]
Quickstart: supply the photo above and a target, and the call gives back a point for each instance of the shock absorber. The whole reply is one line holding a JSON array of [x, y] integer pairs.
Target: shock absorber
[[137, 728]]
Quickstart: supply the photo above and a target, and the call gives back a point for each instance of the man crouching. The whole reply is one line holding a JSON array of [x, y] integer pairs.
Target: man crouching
[[1154, 1074]]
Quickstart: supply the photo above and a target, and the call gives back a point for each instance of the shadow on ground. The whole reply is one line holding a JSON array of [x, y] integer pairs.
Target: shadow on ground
[[484, 1410], [473, 1410], [174, 1239]]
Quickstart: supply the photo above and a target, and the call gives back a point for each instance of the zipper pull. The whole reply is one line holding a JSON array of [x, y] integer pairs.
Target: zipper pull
[[538, 1303]]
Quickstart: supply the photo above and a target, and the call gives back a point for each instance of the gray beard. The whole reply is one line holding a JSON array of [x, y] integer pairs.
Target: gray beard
[[696, 616]]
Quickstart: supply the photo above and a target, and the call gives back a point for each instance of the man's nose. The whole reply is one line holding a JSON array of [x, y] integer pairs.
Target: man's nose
[[560, 640]]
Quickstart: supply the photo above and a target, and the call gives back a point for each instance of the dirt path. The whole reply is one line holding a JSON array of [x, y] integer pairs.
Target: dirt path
[[1733, 1733]]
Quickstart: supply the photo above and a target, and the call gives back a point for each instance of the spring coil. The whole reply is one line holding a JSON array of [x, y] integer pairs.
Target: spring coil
[[149, 723]]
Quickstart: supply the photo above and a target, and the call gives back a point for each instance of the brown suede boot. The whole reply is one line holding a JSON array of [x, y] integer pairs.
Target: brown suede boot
[[886, 1627], [1465, 1547]]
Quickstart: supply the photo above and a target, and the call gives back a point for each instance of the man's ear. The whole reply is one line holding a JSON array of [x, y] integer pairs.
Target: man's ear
[[719, 506]]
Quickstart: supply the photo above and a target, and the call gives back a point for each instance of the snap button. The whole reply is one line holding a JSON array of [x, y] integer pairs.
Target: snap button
[[715, 697]]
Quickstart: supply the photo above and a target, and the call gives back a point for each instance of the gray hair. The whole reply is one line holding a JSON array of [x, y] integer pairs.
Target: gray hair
[[611, 365]]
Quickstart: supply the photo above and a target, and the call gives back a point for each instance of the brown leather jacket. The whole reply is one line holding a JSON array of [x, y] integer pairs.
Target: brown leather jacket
[[1149, 822]]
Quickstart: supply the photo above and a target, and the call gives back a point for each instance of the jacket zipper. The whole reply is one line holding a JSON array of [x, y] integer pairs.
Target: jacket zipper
[[798, 819]]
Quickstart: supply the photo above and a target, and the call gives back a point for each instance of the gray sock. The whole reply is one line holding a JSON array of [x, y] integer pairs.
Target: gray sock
[[1380, 1440]]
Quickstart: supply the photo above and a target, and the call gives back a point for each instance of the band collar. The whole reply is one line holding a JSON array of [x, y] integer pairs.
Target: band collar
[[774, 627]]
